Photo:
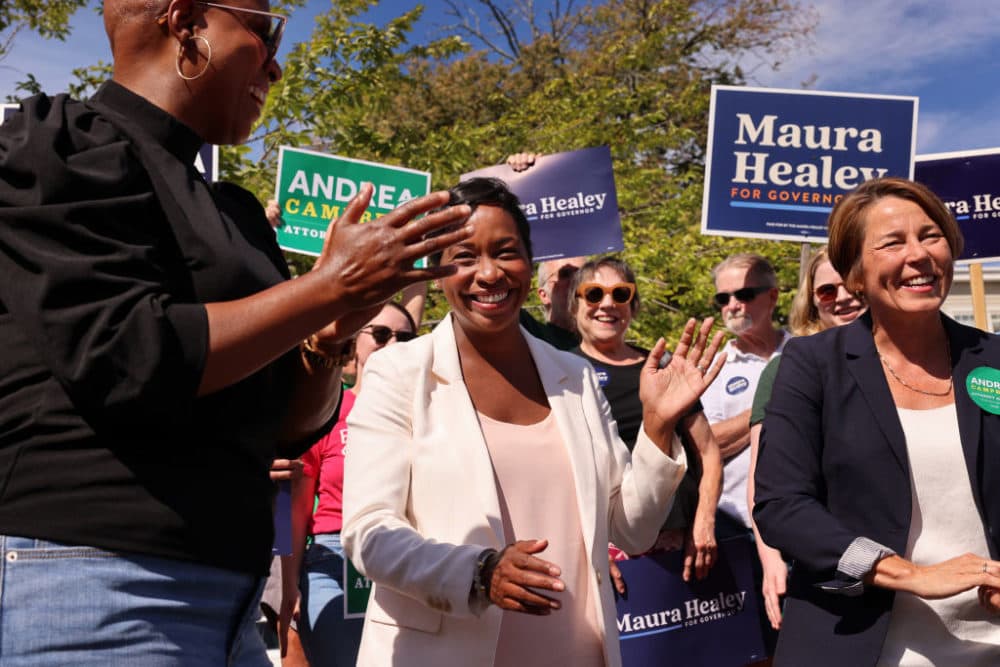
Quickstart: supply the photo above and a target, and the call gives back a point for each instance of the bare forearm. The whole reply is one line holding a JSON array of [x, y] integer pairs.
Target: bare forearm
[[414, 298], [312, 402], [733, 434], [935, 581], [710, 486], [661, 433], [247, 334], [303, 492]]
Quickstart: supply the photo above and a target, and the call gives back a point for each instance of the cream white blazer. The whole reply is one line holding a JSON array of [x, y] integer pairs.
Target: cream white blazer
[[420, 499]]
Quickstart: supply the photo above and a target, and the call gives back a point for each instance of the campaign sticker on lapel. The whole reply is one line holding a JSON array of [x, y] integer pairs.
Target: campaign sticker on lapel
[[983, 385]]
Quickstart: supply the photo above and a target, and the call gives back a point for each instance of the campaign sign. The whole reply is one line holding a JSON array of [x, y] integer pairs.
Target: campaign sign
[[710, 622], [313, 188], [968, 182], [570, 202], [207, 162], [357, 590], [283, 520], [778, 160], [7, 110]]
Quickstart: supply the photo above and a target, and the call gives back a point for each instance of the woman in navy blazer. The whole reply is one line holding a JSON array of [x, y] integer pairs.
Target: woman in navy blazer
[[879, 475]]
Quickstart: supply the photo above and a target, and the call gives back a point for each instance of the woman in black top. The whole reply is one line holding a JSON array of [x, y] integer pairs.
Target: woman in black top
[[154, 352], [605, 298]]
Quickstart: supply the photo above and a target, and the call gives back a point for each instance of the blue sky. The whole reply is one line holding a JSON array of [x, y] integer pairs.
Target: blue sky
[[947, 54]]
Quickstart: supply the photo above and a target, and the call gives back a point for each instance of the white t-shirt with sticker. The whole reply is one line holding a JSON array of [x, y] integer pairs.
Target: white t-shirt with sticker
[[730, 394]]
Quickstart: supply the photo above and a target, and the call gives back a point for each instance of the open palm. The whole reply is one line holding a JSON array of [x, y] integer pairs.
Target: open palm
[[668, 393]]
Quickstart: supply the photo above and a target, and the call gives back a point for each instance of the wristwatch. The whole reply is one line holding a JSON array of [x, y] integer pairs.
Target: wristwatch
[[486, 562]]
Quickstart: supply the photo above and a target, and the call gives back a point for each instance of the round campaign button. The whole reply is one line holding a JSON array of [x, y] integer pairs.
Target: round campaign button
[[983, 385], [737, 385]]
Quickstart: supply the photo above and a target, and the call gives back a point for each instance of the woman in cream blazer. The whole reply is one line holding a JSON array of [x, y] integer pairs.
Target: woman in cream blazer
[[421, 500]]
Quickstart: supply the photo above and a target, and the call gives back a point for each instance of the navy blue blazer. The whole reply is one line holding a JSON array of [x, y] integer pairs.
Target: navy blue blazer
[[833, 467]]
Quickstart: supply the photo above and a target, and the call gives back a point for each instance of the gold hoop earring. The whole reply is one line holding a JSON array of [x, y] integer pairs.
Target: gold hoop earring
[[180, 57]]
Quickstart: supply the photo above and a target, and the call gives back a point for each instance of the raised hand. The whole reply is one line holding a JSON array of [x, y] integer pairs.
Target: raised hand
[[368, 263], [522, 161], [668, 393], [273, 213]]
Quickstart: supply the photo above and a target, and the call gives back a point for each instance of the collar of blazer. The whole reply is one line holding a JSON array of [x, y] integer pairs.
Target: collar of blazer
[[448, 367], [967, 352], [564, 384]]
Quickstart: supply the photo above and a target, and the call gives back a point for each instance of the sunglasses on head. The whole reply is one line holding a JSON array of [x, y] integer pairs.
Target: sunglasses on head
[[827, 292], [593, 293], [381, 334], [743, 295], [267, 26]]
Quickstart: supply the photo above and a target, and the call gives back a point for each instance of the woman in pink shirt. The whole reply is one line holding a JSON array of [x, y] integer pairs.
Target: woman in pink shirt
[[329, 639]]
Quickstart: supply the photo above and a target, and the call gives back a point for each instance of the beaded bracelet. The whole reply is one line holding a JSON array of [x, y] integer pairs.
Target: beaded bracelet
[[316, 357]]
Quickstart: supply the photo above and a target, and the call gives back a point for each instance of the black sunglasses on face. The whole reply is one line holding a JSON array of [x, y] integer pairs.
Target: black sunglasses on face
[[593, 293], [268, 26], [382, 334], [743, 295]]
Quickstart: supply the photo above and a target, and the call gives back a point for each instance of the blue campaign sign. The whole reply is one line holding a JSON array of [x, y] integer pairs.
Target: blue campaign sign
[[569, 199], [207, 162], [968, 182], [710, 622], [283, 520], [6, 110], [778, 160]]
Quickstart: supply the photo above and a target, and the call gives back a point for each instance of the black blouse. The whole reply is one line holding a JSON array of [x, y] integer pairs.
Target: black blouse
[[110, 245]]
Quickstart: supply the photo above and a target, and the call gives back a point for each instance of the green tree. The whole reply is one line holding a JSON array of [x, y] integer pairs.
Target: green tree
[[48, 18], [633, 74]]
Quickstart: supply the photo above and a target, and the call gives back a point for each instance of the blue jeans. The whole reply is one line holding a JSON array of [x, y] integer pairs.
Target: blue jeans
[[329, 639], [86, 607]]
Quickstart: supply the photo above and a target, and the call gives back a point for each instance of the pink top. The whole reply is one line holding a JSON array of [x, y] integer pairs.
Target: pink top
[[538, 499], [325, 461]]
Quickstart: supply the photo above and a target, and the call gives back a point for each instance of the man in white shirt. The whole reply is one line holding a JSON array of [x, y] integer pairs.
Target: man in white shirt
[[747, 293]]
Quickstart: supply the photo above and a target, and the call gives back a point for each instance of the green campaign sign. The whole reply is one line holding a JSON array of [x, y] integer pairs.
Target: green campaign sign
[[357, 588], [313, 189]]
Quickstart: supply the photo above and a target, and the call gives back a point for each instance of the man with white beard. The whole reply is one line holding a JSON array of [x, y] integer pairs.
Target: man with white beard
[[746, 294]]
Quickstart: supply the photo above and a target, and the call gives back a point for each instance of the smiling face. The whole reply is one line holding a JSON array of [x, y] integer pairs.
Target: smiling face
[[906, 264], [493, 277], [745, 317], [231, 94], [603, 324], [844, 308]]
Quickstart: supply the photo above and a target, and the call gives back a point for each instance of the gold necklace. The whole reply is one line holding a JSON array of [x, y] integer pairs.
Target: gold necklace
[[916, 389]]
